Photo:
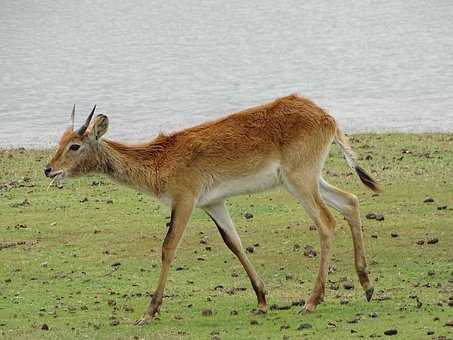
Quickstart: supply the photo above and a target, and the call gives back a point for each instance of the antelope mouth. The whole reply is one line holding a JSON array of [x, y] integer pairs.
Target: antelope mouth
[[57, 174]]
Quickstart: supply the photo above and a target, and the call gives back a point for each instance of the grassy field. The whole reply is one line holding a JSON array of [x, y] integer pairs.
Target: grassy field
[[81, 260]]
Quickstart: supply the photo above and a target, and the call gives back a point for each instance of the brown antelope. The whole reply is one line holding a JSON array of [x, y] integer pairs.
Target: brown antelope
[[282, 143]]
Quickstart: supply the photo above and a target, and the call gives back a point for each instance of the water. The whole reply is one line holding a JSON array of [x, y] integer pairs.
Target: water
[[159, 66]]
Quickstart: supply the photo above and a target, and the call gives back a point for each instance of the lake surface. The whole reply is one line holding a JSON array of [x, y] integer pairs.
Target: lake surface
[[162, 65]]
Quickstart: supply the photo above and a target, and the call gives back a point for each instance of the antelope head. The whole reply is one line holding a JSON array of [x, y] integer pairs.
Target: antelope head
[[77, 150]]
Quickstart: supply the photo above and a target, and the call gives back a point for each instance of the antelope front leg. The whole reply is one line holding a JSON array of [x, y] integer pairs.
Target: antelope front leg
[[179, 217]]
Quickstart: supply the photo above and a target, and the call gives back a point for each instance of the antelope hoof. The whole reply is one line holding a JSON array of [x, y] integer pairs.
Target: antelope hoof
[[369, 293], [260, 310], [144, 320], [308, 308]]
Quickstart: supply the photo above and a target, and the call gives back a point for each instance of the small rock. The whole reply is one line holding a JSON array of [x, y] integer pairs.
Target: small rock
[[250, 249], [303, 326], [234, 312], [428, 200], [433, 241], [206, 312], [394, 234], [355, 320], [254, 322], [442, 207], [44, 327], [373, 315], [114, 322], [379, 217], [334, 286], [374, 235], [370, 216], [429, 332], [44, 264], [83, 200], [420, 242], [449, 323], [21, 226], [309, 251], [116, 264], [248, 215], [348, 285], [391, 332], [109, 201]]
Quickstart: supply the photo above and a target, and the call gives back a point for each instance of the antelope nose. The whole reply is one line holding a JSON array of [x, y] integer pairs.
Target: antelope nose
[[47, 171]]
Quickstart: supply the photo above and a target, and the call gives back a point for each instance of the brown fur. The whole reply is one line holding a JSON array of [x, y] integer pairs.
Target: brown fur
[[230, 146], [181, 167]]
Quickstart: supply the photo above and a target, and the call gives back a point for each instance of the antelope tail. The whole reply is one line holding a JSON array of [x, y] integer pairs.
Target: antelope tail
[[349, 155]]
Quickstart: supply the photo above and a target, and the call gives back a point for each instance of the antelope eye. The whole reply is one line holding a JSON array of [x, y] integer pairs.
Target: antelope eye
[[74, 147]]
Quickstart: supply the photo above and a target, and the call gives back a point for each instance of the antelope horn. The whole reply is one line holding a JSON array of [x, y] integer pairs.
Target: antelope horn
[[84, 127], [71, 121]]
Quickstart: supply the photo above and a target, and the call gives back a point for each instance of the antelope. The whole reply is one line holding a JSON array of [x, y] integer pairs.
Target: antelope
[[281, 143]]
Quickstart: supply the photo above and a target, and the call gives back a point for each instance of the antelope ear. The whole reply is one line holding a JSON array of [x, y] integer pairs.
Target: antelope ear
[[99, 127]]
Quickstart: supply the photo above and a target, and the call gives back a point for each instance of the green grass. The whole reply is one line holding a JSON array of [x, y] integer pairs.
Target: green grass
[[58, 269]]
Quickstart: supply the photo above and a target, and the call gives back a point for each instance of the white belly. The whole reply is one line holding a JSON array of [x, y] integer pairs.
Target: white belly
[[265, 179]]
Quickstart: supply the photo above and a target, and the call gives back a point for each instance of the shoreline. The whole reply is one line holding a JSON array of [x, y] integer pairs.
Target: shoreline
[[24, 147]]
